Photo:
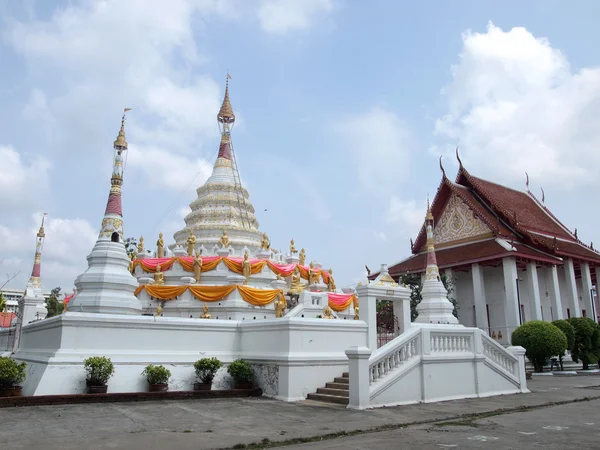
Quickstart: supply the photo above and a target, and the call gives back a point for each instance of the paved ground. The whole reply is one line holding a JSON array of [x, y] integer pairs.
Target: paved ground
[[207, 424]]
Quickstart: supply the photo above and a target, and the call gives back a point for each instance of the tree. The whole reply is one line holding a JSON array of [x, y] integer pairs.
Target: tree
[[569, 332], [53, 306], [2, 302], [587, 341], [131, 245], [541, 340], [413, 282]]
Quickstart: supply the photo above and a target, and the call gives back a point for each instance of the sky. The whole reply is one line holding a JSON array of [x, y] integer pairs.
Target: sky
[[343, 110]]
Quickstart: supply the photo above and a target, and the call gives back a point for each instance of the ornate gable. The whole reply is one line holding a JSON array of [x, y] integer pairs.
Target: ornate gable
[[458, 223]]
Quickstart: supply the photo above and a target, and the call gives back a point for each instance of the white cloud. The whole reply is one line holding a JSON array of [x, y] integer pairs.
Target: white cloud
[[405, 213], [283, 16], [379, 141], [515, 105], [380, 235], [67, 243], [22, 180]]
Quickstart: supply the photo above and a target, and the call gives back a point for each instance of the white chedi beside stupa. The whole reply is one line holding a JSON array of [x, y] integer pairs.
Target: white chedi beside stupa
[[434, 308], [107, 286]]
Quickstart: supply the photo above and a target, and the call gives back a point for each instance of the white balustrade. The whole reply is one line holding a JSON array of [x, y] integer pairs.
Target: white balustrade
[[499, 356], [451, 343], [393, 355]]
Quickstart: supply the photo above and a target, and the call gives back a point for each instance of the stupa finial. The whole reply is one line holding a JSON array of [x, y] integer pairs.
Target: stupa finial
[[429, 215], [37, 262], [226, 114], [121, 142]]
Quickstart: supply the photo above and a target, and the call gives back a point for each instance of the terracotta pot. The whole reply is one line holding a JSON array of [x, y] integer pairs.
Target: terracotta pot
[[14, 391], [97, 389], [243, 385], [159, 387], [202, 386]]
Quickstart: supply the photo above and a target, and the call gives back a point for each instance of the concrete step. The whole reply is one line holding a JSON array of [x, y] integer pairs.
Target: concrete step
[[328, 398], [342, 380], [345, 386], [346, 374], [336, 392]]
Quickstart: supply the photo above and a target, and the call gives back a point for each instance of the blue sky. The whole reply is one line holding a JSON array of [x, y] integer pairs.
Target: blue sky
[[343, 109]]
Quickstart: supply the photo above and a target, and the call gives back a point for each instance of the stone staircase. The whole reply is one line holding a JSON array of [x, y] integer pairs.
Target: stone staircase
[[337, 391]]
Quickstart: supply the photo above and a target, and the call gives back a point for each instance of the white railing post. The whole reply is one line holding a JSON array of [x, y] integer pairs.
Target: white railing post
[[359, 377], [519, 352]]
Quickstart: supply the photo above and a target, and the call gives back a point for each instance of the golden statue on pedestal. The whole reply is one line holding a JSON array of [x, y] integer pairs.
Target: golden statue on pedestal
[[293, 250], [246, 267], [159, 277], [280, 305], [356, 311], [328, 313], [197, 267], [265, 244], [313, 274], [141, 244], [224, 239], [302, 257], [160, 245], [131, 269], [191, 242], [331, 282], [205, 314], [159, 309]]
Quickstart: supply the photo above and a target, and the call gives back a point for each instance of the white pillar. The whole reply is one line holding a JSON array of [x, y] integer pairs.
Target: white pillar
[[597, 302], [479, 298], [519, 352], [368, 313], [402, 314], [554, 293], [571, 288], [511, 302], [359, 395], [586, 287], [533, 286]]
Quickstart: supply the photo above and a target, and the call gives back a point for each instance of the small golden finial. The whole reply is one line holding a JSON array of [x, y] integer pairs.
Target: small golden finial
[[120, 143], [226, 114], [429, 215]]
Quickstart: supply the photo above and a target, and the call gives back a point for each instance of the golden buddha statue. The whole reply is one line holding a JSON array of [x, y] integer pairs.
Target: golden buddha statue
[[159, 277], [293, 250], [313, 274], [224, 239], [356, 311], [140, 247], [197, 267], [191, 242], [159, 309], [280, 305], [205, 314], [302, 257], [297, 287], [160, 245], [328, 313], [246, 267], [265, 244], [331, 282]]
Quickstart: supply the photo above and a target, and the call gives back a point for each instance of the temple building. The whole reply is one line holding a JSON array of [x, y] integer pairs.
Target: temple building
[[508, 258]]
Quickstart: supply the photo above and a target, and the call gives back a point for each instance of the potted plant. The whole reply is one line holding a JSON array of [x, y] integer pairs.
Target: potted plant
[[206, 368], [11, 374], [99, 369], [158, 377], [242, 373]]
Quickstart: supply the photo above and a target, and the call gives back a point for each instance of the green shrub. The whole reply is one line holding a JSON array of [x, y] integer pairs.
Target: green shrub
[[541, 340], [11, 372], [241, 370], [569, 332], [99, 369], [156, 374], [587, 341], [206, 368]]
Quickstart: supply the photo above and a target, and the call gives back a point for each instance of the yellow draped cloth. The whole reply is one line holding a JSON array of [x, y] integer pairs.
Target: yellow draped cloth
[[254, 296], [236, 266], [339, 307]]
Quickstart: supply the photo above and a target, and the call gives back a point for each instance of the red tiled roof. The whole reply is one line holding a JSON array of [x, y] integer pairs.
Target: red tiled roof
[[468, 254], [6, 318]]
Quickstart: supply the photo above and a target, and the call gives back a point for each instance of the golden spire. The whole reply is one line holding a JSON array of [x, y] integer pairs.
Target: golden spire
[[226, 114], [429, 215], [120, 143]]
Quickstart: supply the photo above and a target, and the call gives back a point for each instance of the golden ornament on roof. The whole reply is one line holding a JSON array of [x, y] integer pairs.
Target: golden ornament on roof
[[226, 114]]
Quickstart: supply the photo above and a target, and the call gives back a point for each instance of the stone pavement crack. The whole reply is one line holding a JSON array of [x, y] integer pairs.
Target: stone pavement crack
[[457, 420]]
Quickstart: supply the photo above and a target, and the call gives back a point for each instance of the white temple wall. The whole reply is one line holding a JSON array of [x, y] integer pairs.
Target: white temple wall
[[6, 341], [524, 296], [296, 355], [564, 296], [494, 290], [465, 300]]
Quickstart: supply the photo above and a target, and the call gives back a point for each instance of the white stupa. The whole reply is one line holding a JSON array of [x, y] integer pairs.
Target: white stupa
[[107, 286]]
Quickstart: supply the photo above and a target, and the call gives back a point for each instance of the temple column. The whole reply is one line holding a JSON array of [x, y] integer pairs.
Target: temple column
[[533, 286], [511, 297], [479, 297], [554, 293], [571, 288], [586, 287], [597, 302]]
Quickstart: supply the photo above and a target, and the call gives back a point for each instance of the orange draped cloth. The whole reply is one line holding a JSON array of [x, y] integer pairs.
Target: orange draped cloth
[[285, 270], [235, 265], [149, 264], [208, 263], [254, 296], [341, 302]]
